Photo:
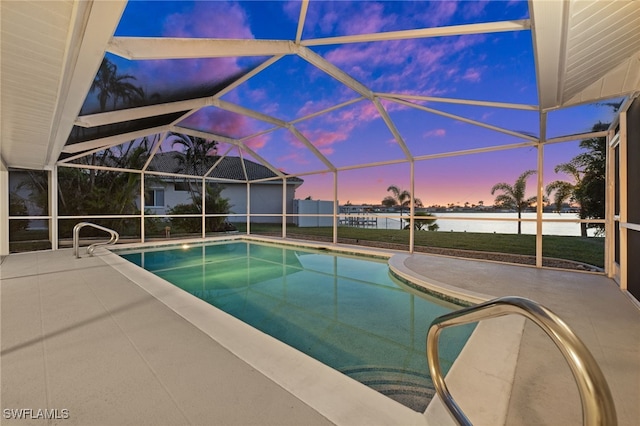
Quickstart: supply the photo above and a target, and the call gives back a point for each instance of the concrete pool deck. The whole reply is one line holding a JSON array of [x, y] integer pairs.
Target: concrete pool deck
[[79, 335]]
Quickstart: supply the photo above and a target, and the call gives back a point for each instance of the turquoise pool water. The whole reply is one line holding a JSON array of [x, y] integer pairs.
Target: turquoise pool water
[[344, 311]]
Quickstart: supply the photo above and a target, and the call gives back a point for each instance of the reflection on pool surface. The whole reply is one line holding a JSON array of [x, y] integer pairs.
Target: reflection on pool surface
[[344, 311]]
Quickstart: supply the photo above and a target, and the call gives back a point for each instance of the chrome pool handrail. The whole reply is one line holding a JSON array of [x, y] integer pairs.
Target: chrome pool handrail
[[76, 237], [597, 403]]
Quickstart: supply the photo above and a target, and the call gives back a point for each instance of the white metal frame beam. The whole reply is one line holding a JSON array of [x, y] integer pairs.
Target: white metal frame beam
[[335, 72], [204, 135], [304, 5], [145, 48], [466, 120], [111, 117], [302, 138], [266, 64], [392, 127], [254, 154], [327, 110], [392, 96], [453, 30], [228, 106], [110, 141]]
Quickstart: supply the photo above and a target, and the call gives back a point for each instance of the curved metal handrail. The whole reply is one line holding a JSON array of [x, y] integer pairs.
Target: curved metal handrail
[[76, 237], [597, 403]]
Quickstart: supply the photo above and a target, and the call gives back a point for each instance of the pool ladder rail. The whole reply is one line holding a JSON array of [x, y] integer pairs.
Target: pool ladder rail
[[597, 403], [76, 238]]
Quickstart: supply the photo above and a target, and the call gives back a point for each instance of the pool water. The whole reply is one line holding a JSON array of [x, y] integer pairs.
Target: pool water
[[344, 311]]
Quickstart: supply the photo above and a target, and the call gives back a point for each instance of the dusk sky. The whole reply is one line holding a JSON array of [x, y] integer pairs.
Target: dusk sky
[[492, 67]]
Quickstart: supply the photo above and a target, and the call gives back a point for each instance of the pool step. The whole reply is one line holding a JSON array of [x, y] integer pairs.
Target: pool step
[[412, 389]]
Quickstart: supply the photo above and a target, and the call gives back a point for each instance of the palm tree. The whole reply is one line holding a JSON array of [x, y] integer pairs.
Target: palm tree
[[512, 196], [400, 198], [194, 158], [111, 85], [564, 190], [587, 170], [102, 82], [425, 220]]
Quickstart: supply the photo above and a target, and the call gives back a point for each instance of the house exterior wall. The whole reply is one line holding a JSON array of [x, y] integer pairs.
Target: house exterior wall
[[266, 199], [313, 207]]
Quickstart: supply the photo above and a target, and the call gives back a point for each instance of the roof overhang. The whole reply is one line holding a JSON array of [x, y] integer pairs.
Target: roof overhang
[[51, 51], [585, 50]]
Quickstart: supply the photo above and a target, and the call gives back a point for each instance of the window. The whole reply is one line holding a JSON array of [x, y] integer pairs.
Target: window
[[154, 198]]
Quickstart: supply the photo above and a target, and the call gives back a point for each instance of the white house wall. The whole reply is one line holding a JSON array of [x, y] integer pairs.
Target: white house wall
[[266, 199], [313, 207]]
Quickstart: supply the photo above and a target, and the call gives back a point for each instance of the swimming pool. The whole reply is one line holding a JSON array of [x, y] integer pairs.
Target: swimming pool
[[344, 311]]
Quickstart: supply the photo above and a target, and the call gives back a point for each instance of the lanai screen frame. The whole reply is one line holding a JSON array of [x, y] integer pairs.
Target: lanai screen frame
[[138, 48]]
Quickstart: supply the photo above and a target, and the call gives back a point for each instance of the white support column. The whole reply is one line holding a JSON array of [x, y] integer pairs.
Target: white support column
[[4, 209], [248, 208], [53, 207], [284, 207], [335, 207], [540, 188], [142, 204], [412, 208], [539, 205], [204, 210], [609, 196], [623, 176]]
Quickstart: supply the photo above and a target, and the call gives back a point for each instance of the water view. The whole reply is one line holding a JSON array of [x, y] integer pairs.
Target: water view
[[450, 222]]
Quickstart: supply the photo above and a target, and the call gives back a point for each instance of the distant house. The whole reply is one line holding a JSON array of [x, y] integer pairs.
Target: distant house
[[165, 192], [352, 208]]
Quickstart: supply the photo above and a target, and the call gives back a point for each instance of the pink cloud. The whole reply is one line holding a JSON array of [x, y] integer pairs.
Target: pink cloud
[[328, 21], [435, 133], [439, 13], [473, 9], [206, 19], [472, 75], [367, 20], [335, 127], [224, 123], [294, 141], [258, 142], [221, 122], [293, 157], [349, 117], [257, 94], [292, 10], [312, 106], [424, 61], [324, 139], [271, 108], [209, 19]]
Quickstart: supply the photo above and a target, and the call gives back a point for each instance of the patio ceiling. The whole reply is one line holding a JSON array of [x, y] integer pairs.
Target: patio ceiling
[[51, 50]]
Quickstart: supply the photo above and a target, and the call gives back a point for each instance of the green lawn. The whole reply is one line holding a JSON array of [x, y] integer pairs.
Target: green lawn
[[586, 250]]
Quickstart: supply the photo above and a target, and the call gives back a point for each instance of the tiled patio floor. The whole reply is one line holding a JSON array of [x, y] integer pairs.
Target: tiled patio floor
[[79, 335]]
